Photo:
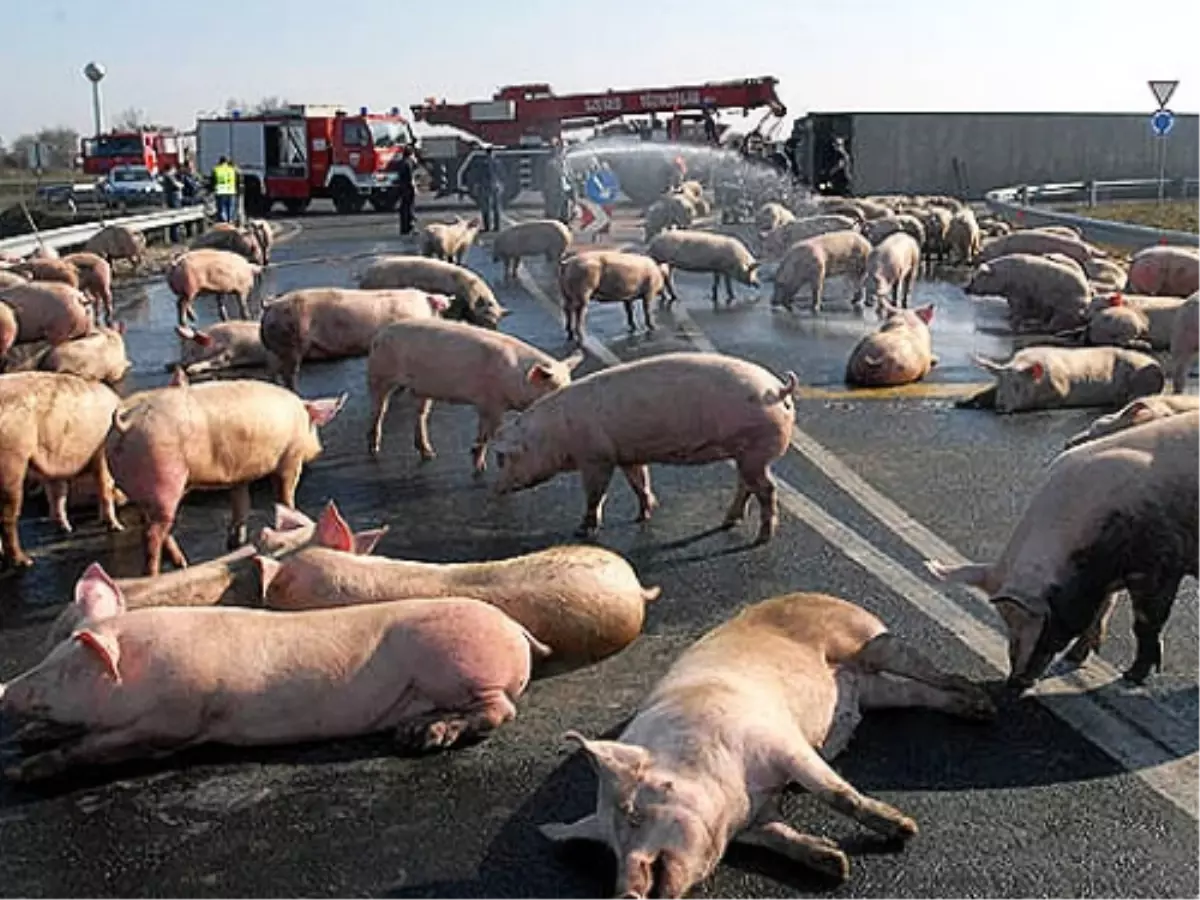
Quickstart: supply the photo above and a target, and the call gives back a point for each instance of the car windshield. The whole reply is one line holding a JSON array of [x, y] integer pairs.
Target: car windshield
[[129, 145], [127, 175], [389, 134]]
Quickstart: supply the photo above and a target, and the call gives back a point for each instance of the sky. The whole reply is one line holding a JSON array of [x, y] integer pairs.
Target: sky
[[905, 55]]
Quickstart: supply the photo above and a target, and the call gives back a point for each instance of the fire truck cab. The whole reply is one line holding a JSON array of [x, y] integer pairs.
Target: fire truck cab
[[301, 152], [154, 149]]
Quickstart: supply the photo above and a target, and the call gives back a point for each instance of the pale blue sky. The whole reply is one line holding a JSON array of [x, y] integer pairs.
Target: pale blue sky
[[1079, 55]]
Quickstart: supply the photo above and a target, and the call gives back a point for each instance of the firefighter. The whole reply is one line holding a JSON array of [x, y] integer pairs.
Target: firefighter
[[839, 174], [406, 189], [557, 188], [224, 184], [489, 189], [173, 195], [710, 125]]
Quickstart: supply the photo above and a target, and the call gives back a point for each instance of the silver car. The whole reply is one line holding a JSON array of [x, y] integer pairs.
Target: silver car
[[131, 186]]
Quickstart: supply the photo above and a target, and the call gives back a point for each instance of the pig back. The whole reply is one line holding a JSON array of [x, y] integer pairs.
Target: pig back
[[48, 311], [61, 418]]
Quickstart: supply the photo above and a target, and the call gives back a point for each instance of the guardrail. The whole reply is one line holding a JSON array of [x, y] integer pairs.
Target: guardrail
[[190, 217], [1023, 205]]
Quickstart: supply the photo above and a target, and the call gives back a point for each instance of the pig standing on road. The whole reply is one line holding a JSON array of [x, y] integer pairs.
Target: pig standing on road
[[892, 266], [474, 301], [115, 242], [548, 238], [813, 260], [95, 281], [762, 702], [449, 241], [150, 682], [963, 236], [610, 276], [701, 251], [216, 272], [675, 408], [457, 363], [900, 352]]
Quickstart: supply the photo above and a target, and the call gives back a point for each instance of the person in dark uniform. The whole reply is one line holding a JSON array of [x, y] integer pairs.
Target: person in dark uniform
[[839, 174], [406, 189], [710, 126], [489, 189]]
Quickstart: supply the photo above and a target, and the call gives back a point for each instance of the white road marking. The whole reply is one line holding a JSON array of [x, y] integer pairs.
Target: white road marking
[[1142, 735]]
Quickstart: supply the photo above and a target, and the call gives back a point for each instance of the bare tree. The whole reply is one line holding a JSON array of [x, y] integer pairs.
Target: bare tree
[[131, 119], [266, 104]]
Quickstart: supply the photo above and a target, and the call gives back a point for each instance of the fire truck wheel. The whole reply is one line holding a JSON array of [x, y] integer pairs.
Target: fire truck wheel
[[346, 199], [296, 205], [385, 201]]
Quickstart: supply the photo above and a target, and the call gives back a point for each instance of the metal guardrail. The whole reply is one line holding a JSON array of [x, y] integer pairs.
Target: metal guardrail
[[1024, 205], [76, 235]]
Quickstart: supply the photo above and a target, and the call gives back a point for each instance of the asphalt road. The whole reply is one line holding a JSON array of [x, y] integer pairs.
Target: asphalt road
[[1081, 791]]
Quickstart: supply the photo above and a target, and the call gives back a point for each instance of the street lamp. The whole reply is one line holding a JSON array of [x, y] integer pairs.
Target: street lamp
[[94, 73]]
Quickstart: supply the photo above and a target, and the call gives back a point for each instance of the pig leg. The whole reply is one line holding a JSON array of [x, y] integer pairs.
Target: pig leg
[[421, 429], [646, 314], [728, 290], [106, 505], [716, 289], [489, 422], [287, 479], [737, 509], [755, 480], [889, 692], [1152, 604], [381, 395], [818, 291], [12, 490], [56, 499], [628, 315], [770, 832], [243, 301], [806, 768], [221, 308], [596, 475], [669, 290], [639, 479], [1093, 636], [239, 499], [91, 749], [442, 729]]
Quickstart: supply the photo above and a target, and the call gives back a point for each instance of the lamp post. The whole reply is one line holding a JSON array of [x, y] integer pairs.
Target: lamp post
[[94, 73]]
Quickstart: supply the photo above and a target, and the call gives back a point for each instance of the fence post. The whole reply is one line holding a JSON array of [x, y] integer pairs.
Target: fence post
[[1093, 191]]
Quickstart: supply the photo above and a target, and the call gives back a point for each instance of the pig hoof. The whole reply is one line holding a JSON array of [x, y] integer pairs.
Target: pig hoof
[[834, 863], [902, 828], [427, 456], [65, 527]]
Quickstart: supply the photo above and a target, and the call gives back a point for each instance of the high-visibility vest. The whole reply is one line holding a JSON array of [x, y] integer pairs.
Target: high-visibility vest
[[225, 177]]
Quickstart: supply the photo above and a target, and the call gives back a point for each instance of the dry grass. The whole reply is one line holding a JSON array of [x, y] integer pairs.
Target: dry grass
[[1177, 215]]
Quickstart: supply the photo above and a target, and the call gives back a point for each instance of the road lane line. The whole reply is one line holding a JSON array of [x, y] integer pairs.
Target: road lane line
[[918, 391], [1155, 747]]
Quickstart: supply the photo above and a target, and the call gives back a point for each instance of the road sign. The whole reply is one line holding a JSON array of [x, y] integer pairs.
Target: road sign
[[1162, 122], [1162, 91], [594, 218], [602, 186]]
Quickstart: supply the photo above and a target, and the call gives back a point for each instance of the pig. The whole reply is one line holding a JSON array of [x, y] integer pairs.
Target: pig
[[811, 261], [150, 682], [47, 311], [226, 345], [474, 300], [53, 425], [230, 238], [449, 241], [878, 229], [771, 216], [841, 206], [994, 227], [1067, 231], [49, 270], [335, 323], [700, 251], [221, 434], [43, 251], [936, 222], [1105, 274], [962, 236], [691, 189], [892, 266], [264, 234], [649, 411], [115, 242], [1038, 243], [11, 278], [607, 276], [760, 703], [872, 209], [99, 356], [671, 211], [458, 363], [95, 281], [293, 530], [1137, 412], [586, 603], [1041, 293], [1167, 270], [539, 237], [9, 329], [217, 272], [1059, 377], [781, 239], [1139, 322], [900, 352], [1119, 512], [1185, 341]]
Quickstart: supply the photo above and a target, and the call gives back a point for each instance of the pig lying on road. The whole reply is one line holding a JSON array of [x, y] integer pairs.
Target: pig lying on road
[[649, 411], [586, 603], [99, 356], [762, 702], [458, 363], [45, 311], [610, 276], [1137, 412], [226, 345], [900, 352], [1173, 271], [1121, 320], [1041, 293], [150, 682], [1058, 377], [1038, 243], [1117, 512], [1185, 341], [701, 251]]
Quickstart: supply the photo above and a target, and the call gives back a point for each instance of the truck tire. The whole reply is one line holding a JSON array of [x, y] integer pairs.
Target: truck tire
[[385, 201], [296, 205], [257, 204], [346, 199]]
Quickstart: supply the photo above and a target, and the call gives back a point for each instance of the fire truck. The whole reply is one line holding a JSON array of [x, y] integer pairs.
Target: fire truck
[[521, 120], [299, 153], [156, 149]]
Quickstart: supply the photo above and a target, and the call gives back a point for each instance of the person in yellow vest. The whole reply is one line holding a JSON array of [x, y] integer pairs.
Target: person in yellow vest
[[224, 185]]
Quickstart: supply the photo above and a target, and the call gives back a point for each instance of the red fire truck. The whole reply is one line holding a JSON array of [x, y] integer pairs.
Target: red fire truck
[[522, 119], [301, 152], [156, 149]]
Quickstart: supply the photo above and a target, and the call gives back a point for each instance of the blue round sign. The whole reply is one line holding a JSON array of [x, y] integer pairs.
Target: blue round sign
[[1162, 122], [602, 186]]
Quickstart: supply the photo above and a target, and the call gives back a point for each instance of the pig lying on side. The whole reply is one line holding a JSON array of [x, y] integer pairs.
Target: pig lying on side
[[53, 425], [760, 703], [1117, 512], [222, 434], [1173, 271], [1039, 243], [1137, 412], [335, 323], [1041, 293], [586, 603], [675, 408], [115, 242], [458, 363], [46, 311], [541, 237], [55, 271], [1185, 341], [474, 300], [1138, 322], [610, 276], [701, 251], [813, 260], [900, 352], [892, 266], [150, 682], [1060, 377], [449, 241], [226, 345], [216, 272]]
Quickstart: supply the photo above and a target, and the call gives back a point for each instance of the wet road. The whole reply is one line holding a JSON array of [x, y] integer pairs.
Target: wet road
[[1030, 806]]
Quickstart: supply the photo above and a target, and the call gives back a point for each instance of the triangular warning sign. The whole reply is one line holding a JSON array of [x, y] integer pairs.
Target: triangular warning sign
[[586, 216], [1162, 91]]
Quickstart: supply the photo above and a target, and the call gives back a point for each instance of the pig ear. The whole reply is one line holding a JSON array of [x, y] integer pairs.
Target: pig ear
[[321, 412], [1139, 412], [203, 338], [925, 313], [333, 531], [186, 333], [1117, 299], [623, 764], [178, 378], [287, 519], [539, 374], [573, 361], [365, 541], [504, 312], [97, 595], [106, 648], [1037, 371], [990, 364], [268, 568], [438, 302]]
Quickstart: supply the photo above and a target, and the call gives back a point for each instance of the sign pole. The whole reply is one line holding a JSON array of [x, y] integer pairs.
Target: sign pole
[[1162, 122], [1162, 168]]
